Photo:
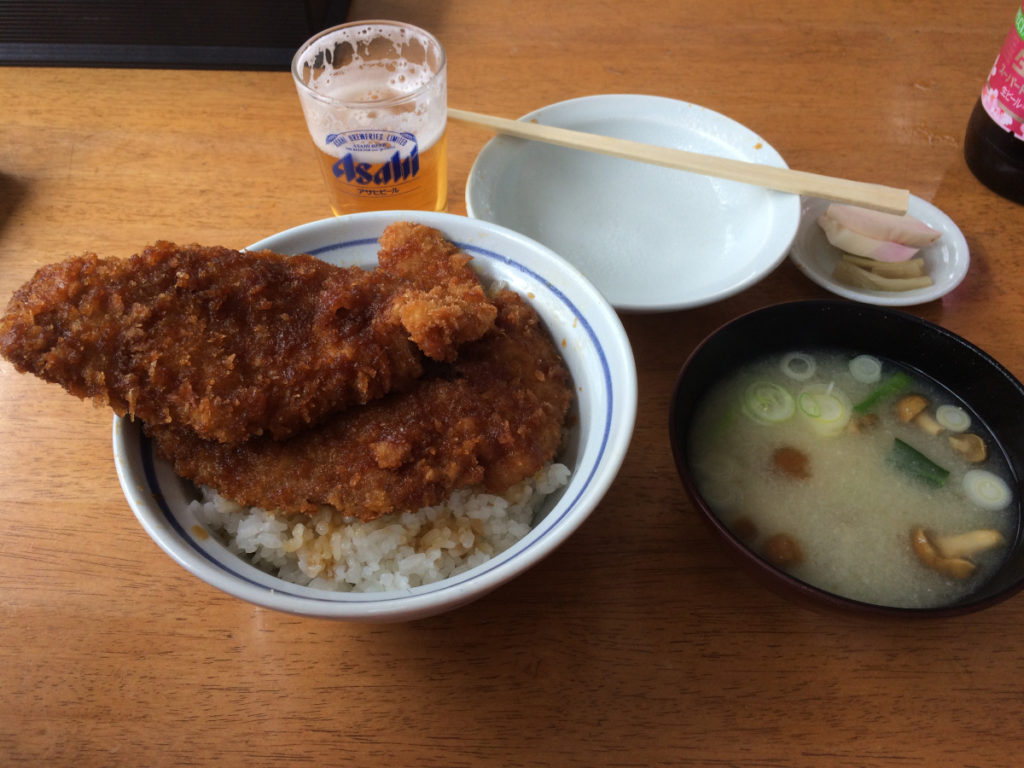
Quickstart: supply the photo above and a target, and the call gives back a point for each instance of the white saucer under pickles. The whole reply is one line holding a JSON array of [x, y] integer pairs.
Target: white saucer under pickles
[[946, 260]]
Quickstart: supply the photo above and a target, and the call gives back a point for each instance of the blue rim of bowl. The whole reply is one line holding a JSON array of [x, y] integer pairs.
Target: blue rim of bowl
[[341, 598]]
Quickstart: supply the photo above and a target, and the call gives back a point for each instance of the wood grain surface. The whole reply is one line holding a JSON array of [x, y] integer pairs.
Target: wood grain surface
[[637, 643]]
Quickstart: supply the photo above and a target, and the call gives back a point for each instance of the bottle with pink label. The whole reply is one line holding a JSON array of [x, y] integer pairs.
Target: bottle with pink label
[[994, 144]]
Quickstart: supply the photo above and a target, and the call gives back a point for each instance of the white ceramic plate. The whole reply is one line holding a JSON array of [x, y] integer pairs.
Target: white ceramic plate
[[650, 238], [592, 341], [946, 260]]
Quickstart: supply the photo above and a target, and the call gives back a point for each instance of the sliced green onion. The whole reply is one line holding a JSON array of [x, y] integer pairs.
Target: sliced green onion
[[768, 403], [953, 418], [866, 369], [798, 366], [826, 408], [988, 491], [914, 463], [808, 405], [894, 385]]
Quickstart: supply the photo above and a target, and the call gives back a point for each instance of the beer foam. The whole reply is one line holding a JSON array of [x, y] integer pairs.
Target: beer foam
[[362, 83], [353, 91]]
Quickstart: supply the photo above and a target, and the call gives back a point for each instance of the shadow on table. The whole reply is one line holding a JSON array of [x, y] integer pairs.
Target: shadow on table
[[13, 192]]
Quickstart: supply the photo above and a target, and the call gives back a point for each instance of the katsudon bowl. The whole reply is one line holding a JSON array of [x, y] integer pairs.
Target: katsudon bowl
[[853, 498], [586, 331]]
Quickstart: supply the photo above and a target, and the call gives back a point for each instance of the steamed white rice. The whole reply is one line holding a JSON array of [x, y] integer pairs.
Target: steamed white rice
[[329, 551]]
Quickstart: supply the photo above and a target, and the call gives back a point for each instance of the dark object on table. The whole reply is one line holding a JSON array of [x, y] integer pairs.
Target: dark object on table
[[994, 143], [193, 34]]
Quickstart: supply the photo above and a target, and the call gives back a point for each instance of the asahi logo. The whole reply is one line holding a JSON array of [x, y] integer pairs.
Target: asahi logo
[[384, 157]]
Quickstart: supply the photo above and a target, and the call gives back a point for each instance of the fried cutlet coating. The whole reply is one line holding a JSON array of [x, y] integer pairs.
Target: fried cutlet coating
[[490, 419], [445, 306], [230, 344]]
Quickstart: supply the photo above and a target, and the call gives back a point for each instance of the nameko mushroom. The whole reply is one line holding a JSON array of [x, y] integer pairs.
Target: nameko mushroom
[[948, 554]]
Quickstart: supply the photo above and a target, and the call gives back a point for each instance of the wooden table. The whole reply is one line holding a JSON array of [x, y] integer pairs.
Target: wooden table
[[637, 643]]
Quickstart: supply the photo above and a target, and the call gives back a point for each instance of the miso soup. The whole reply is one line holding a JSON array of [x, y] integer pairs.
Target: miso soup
[[856, 475]]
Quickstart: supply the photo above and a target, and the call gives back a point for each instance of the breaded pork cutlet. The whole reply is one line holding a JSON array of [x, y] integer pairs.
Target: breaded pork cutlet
[[229, 345], [490, 419]]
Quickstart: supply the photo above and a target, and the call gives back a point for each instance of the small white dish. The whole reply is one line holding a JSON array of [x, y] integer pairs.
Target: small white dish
[[592, 341], [946, 260], [650, 238]]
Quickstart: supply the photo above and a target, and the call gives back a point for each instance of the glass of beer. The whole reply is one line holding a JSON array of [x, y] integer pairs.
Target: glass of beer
[[375, 98]]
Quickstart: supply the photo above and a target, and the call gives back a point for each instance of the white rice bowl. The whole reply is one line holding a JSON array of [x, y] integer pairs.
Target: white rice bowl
[[421, 563]]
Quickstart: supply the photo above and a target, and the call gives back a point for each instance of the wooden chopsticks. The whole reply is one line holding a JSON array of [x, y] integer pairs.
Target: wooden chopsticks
[[875, 196]]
